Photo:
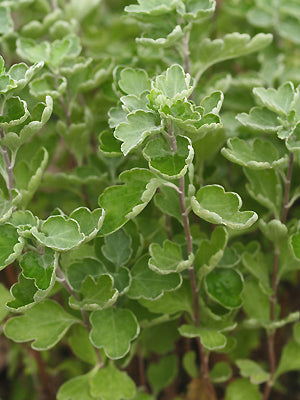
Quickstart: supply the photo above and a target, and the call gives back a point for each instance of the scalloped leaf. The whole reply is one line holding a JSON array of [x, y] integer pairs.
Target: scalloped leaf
[[76, 388], [22, 74], [198, 9], [111, 384], [45, 323], [89, 222], [220, 372], [250, 369], [139, 187], [172, 38], [147, 284], [162, 373], [4, 297], [15, 112], [290, 358], [257, 154], [295, 243], [113, 329], [137, 127], [11, 245], [279, 101], [257, 266], [134, 81], [117, 248], [39, 267], [108, 144], [152, 7], [216, 206], [171, 164], [211, 339], [59, 233], [293, 141], [261, 119], [79, 270], [167, 201], [95, 295], [242, 389], [168, 259], [47, 85], [6, 22], [81, 345]]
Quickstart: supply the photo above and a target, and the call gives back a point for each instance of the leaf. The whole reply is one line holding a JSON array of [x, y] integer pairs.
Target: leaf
[[89, 221], [109, 145], [159, 338], [242, 389], [290, 358], [197, 9], [22, 74], [167, 201], [78, 271], [39, 267], [95, 295], [256, 303], [168, 259], [6, 22], [59, 233], [259, 154], [76, 388], [4, 297], [257, 266], [210, 338], [148, 284], [216, 206], [225, 286], [138, 189], [32, 51], [279, 101], [163, 373], [134, 81], [11, 245], [137, 127], [15, 112], [293, 141], [45, 323], [162, 159], [152, 7], [295, 243], [81, 346], [231, 46], [253, 371], [111, 384], [171, 39], [117, 248], [46, 85], [261, 119], [220, 372], [113, 329], [189, 363]]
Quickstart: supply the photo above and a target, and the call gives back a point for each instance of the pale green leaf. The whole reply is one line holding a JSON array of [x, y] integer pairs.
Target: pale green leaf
[[4, 297], [261, 119], [11, 245], [22, 74], [189, 363], [134, 81], [256, 303], [89, 221], [216, 206], [15, 112], [109, 145], [290, 358], [295, 242], [77, 388], [258, 267], [293, 141], [45, 323], [152, 7], [172, 38], [6, 22], [47, 85], [117, 247], [250, 369], [59, 233], [198, 9], [95, 295], [151, 285], [79, 270], [210, 338], [242, 389], [279, 101], [168, 259], [113, 329], [32, 51], [162, 373], [81, 345], [259, 154], [274, 230], [78, 10], [220, 372], [137, 127], [111, 384], [167, 200], [39, 267], [162, 159]]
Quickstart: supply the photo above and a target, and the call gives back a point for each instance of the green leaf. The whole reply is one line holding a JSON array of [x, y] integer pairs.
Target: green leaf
[[22, 74], [152, 7], [171, 39], [11, 245], [47, 85], [259, 154], [39, 267], [293, 142], [290, 358], [81, 346], [287, 261], [256, 303], [242, 389], [113, 330], [225, 286], [261, 119], [32, 51], [167, 200], [162, 159], [76, 388], [220, 372], [6, 22], [198, 9], [45, 323], [189, 363], [15, 112], [216, 206], [274, 230], [295, 243], [89, 221], [231, 46], [117, 248], [4, 297], [59, 233], [148, 284], [111, 384], [257, 266], [134, 81], [163, 373], [95, 295], [168, 259], [210, 338], [279, 101], [23, 293], [253, 371], [124, 202], [137, 127], [159, 338], [109, 145], [265, 187]]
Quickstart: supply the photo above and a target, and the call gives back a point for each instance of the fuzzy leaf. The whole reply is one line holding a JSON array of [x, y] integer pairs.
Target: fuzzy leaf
[[148, 284], [89, 221], [172, 38], [210, 338], [216, 206], [76, 388], [137, 127], [117, 247], [198, 9], [152, 7], [253, 371], [15, 112], [109, 145], [39, 267], [242, 389], [45, 323], [113, 330], [58, 233], [293, 142], [259, 154], [138, 189], [6, 22], [290, 358], [164, 160], [225, 286], [111, 384], [11, 245], [134, 81], [168, 259], [95, 295], [279, 101], [47, 85], [162, 373], [261, 119]]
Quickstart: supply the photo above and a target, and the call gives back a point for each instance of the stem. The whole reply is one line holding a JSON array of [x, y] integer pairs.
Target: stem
[[275, 282], [189, 242], [9, 167], [69, 289]]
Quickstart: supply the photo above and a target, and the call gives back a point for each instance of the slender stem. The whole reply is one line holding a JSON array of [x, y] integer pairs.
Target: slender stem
[[9, 167], [189, 242], [275, 282], [70, 290]]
